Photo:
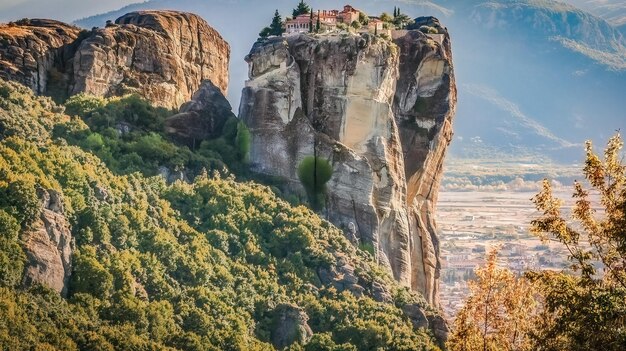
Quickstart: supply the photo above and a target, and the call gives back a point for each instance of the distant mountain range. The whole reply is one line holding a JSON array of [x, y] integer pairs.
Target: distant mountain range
[[539, 76], [613, 11]]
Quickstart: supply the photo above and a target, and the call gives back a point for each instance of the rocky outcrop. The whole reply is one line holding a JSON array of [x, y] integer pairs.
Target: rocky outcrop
[[33, 50], [201, 118], [48, 246], [380, 112], [163, 56], [289, 326]]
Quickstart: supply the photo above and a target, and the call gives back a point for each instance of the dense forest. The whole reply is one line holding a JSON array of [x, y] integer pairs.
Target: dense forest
[[207, 262]]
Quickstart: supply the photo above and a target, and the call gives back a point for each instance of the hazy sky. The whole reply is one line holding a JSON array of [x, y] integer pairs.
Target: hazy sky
[[63, 10]]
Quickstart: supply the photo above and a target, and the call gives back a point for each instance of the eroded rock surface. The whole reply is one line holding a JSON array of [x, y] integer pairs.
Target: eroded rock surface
[[48, 246], [163, 56], [32, 50], [380, 112], [289, 326], [201, 118]]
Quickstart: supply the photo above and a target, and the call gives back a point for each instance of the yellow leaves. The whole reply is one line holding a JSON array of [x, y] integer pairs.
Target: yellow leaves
[[498, 314]]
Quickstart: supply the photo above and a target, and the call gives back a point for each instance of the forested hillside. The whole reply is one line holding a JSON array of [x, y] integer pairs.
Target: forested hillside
[[208, 264]]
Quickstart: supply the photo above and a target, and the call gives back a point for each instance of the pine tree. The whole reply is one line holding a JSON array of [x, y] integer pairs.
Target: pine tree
[[301, 9], [276, 28], [311, 22]]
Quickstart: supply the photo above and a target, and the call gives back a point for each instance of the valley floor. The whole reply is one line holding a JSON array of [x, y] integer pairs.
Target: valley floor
[[470, 223]]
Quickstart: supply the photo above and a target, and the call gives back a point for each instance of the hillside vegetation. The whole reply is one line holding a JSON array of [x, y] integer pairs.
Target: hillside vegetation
[[212, 264]]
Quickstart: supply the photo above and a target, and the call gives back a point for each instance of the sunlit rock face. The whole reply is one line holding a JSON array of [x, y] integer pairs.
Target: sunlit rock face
[[33, 50], [163, 56], [48, 246], [380, 111]]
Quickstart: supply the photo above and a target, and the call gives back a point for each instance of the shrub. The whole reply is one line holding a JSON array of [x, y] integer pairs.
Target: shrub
[[20, 198], [428, 30], [11, 255], [243, 142], [314, 173]]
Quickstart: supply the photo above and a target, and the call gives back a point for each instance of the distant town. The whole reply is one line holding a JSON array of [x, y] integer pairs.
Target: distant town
[[471, 223]]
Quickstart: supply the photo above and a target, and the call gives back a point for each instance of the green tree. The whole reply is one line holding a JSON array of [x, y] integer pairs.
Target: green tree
[[386, 18], [314, 172], [265, 32], [243, 140], [11, 255], [363, 18], [276, 27], [318, 25], [301, 9], [21, 200], [356, 25]]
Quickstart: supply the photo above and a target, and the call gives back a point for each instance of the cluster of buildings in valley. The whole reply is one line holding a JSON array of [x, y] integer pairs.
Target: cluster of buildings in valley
[[470, 225], [459, 263], [329, 20]]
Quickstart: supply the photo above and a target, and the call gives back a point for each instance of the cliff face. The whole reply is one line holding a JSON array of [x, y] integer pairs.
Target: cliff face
[[161, 55], [48, 246], [380, 112], [31, 50]]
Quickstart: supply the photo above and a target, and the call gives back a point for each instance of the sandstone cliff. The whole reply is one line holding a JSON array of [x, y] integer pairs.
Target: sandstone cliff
[[380, 111], [48, 246], [163, 56], [32, 50]]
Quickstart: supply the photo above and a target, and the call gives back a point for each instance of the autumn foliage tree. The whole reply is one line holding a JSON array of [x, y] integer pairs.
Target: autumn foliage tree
[[587, 311], [498, 313], [553, 311]]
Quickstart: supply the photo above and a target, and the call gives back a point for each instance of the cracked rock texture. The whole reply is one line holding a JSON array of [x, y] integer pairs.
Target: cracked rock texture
[[48, 246], [201, 118], [380, 111], [33, 50], [163, 56]]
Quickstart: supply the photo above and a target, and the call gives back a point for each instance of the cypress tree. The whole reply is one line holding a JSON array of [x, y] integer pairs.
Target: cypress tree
[[319, 25]]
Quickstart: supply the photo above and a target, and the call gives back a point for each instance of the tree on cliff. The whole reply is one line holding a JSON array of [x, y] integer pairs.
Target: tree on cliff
[[314, 172], [301, 9], [498, 314], [276, 27], [401, 20]]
